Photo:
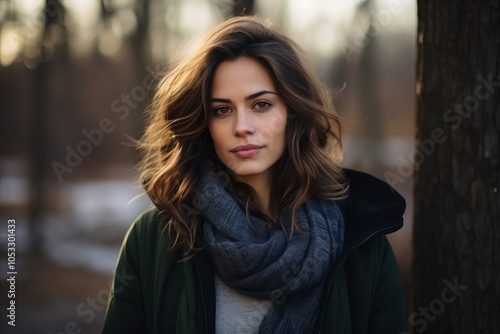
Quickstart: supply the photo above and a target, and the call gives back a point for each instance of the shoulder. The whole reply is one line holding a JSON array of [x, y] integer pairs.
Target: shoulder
[[145, 237], [147, 225], [149, 218]]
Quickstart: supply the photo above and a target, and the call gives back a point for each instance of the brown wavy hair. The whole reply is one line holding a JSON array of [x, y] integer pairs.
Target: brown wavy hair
[[177, 143]]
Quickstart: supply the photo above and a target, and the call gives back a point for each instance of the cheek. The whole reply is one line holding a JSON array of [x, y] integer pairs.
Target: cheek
[[277, 124], [275, 128]]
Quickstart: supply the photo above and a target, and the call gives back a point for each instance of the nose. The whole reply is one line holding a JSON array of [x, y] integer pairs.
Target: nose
[[243, 123]]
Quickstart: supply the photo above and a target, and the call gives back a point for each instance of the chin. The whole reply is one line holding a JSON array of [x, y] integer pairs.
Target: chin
[[251, 171], [247, 172]]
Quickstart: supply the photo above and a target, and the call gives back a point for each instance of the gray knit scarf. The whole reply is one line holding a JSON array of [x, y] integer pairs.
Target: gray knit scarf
[[291, 273]]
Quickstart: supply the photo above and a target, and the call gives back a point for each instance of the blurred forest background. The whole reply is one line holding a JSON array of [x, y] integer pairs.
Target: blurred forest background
[[75, 77]]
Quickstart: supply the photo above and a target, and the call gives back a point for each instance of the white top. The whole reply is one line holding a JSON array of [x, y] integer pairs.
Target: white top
[[235, 312]]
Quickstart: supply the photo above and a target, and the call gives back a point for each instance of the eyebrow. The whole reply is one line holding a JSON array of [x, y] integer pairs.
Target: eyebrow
[[249, 97]]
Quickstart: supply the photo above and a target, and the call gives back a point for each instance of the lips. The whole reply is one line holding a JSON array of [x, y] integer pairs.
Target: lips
[[247, 151]]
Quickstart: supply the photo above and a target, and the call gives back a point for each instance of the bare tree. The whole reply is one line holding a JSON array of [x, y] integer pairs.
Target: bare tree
[[53, 14], [243, 7], [456, 279], [369, 97]]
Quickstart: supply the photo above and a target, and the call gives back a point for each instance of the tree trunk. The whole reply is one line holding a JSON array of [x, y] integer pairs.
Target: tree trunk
[[456, 273]]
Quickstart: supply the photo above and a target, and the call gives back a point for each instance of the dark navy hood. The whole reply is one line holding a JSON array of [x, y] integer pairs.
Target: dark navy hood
[[372, 207]]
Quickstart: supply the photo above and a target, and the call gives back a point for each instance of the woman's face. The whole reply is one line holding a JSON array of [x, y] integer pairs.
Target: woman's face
[[247, 119]]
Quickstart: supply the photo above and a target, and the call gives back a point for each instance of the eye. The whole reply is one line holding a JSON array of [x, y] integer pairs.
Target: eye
[[261, 105], [222, 110]]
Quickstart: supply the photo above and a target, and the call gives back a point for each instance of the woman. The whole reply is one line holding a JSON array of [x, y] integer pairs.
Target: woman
[[256, 228]]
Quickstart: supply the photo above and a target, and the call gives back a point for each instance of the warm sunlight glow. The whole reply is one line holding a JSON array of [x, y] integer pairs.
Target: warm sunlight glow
[[10, 43], [84, 21], [109, 43], [30, 7], [317, 25]]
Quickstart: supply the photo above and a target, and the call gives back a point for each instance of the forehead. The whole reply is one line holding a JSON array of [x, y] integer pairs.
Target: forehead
[[240, 76]]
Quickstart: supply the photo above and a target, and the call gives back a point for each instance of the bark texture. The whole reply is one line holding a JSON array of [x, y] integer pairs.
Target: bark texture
[[456, 273]]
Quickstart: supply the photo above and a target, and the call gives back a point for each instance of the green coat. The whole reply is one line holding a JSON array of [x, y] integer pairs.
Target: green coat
[[154, 292]]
